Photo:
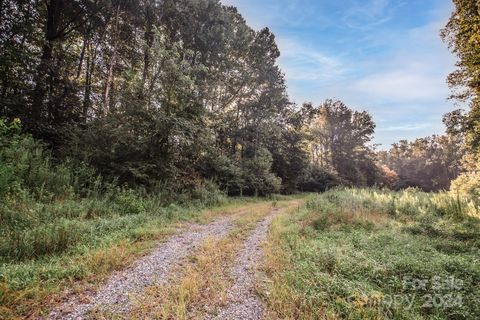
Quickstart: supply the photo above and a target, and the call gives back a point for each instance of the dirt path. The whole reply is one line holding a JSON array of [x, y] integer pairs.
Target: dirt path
[[157, 268], [243, 303], [152, 269]]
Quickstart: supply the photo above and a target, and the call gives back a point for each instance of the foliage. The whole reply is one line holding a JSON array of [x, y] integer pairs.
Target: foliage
[[462, 33], [429, 163], [319, 180], [61, 222], [123, 116], [338, 142], [467, 185], [170, 93], [47, 208], [257, 174], [27, 169]]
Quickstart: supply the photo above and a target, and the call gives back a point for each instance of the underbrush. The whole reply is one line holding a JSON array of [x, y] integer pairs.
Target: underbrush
[[371, 254], [60, 222]]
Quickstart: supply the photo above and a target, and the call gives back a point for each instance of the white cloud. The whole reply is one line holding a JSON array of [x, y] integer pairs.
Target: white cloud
[[406, 127], [401, 85], [415, 72], [285, 13], [302, 62], [397, 74], [368, 14]]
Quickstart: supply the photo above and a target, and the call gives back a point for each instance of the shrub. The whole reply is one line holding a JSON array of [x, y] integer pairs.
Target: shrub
[[129, 202], [467, 185], [25, 165], [208, 194], [259, 179], [318, 179]]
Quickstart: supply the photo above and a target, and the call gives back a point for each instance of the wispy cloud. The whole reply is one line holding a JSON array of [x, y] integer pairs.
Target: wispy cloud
[[401, 84], [406, 127], [285, 13], [302, 62], [414, 72], [365, 15]]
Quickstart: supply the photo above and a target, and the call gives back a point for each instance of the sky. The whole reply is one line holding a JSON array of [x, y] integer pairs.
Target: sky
[[383, 56]]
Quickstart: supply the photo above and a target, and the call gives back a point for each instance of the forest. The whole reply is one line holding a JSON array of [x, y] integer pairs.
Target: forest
[[120, 117], [177, 93]]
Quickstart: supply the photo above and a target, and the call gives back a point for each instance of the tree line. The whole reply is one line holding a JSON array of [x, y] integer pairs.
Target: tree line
[[175, 93]]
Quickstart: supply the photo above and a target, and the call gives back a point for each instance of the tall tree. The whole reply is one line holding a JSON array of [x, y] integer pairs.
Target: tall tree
[[462, 33], [430, 163], [339, 142]]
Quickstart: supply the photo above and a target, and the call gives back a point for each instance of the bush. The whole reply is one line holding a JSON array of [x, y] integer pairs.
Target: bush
[[26, 166], [259, 179], [467, 185], [318, 179], [129, 202], [224, 171], [208, 194]]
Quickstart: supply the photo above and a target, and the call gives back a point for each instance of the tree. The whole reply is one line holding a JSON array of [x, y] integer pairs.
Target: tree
[[172, 93], [339, 140], [429, 163], [462, 33]]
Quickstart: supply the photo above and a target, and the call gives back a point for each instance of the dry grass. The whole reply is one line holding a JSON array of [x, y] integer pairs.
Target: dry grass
[[89, 270], [283, 302], [198, 288], [201, 286], [232, 209], [96, 267]]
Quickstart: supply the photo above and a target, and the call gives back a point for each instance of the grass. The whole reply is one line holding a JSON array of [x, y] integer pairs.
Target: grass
[[63, 226], [356, 254], [29, 286], [200, 286]]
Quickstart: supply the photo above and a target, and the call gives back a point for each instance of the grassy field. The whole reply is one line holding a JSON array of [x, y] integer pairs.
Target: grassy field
[[370, 254], [63, 226]]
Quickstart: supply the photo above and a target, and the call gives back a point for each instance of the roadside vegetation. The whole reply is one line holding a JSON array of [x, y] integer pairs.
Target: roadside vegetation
[[359, 254], [60, 222]]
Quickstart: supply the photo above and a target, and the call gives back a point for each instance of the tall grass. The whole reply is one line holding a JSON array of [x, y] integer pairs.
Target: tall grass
[[348, 250], [410, 202]]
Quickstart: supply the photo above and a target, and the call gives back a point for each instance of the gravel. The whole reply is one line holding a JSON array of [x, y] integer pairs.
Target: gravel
[[243, 303], [153, 269]]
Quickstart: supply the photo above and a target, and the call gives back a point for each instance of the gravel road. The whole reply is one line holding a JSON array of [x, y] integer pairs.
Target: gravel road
[[243, 303], [149, 270]]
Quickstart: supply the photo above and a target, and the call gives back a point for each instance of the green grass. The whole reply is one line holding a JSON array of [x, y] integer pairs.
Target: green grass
[[348, 253], [72, 248]]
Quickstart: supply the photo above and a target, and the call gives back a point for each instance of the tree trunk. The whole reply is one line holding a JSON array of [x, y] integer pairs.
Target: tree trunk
[[113, 60], [44, 71], [82, 57], [148, 38], [88, 86], [40, 91]]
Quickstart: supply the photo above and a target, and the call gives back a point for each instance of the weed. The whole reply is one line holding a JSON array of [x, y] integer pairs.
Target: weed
[[348, 251]]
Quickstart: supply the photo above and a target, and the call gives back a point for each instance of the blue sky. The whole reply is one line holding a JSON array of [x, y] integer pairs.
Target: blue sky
[[384, 56]]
